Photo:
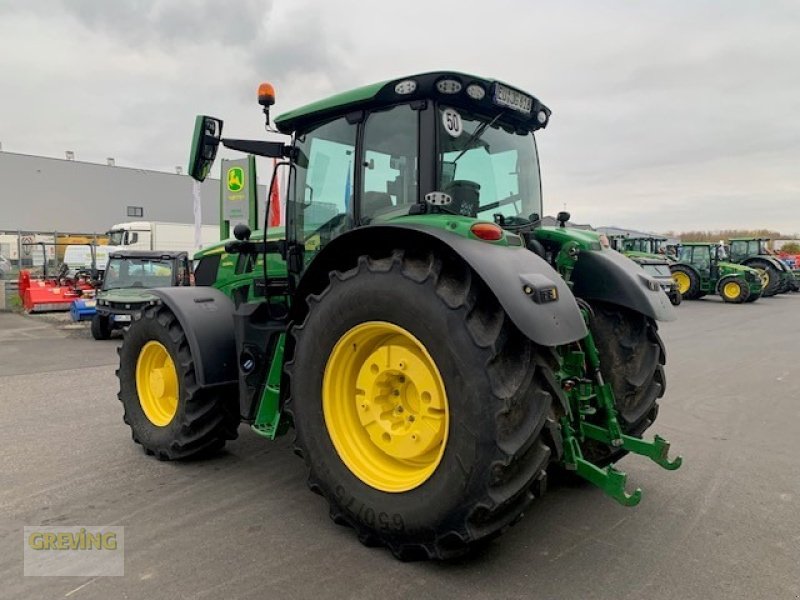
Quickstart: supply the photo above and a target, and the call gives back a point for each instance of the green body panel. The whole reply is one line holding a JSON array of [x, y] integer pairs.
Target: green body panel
[[585, 239], [457, 224], [268, 419], [232, 274], [634, 254], [339, 101]]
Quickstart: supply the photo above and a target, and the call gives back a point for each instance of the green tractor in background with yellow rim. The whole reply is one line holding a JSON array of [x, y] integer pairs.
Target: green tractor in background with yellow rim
[[701, 270], [755, 253], [435, 349]]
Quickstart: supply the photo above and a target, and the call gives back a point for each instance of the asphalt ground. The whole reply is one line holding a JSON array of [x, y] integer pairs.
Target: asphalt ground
[[243, 525]]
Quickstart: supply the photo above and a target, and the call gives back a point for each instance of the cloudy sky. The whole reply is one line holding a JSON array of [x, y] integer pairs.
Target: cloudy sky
[[666, 114]]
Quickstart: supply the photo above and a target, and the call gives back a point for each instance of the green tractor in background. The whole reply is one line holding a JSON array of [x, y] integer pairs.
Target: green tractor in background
[[436, 351], [754, 252], [646, 246], [701, 270], [649, 253]]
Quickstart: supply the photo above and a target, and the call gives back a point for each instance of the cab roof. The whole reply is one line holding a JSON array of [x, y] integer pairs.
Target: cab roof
[[417, 87], [153, 254]]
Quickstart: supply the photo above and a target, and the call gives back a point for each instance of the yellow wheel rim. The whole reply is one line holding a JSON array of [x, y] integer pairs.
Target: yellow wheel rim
[[385, 406], [683, 281], [764, 276], [157, 384], [731, 290]]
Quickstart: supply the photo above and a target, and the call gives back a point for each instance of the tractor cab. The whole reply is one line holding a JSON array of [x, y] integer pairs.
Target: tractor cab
[[436, 144], [653, 245], [741, 248], [755, 252]]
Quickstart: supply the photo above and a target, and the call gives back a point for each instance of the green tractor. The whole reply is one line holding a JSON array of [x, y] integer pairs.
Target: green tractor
[[435, 350], [702, 270], [649, 253], [753, 252], [646, 246]]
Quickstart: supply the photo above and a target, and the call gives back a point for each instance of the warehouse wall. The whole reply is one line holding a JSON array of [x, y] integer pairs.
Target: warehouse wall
[[48, 194]]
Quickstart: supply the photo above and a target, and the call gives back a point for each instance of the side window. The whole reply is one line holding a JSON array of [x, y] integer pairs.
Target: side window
[[390, 161], [323, 202]]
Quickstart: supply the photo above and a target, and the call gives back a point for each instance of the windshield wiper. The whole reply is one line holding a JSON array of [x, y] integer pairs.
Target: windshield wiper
[[478, 133]]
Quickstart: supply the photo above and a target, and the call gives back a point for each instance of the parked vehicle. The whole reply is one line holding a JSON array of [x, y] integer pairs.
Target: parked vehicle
[[646, 252], [130, 277], [753, 252], [647, 246], [158, 235], [701, 270], [434, 348]]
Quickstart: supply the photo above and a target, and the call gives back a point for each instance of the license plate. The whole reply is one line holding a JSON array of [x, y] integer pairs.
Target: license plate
[[122, 318], [505, 96]]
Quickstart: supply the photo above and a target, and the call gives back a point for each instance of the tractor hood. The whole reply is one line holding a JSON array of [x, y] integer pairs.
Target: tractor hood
[[127, 295]]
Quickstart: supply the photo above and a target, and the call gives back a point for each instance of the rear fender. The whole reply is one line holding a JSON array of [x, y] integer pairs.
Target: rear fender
[[206, 316], [608, 276], [507, 270]]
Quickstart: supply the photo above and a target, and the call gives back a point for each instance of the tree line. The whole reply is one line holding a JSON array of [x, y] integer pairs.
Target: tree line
[[726, 234]]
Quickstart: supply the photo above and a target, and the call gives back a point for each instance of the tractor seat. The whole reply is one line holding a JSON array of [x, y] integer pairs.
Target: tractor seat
[[373, 202]]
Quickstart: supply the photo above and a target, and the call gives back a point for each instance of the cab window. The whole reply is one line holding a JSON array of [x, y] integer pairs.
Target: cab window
[[322, 206], [389, 169]]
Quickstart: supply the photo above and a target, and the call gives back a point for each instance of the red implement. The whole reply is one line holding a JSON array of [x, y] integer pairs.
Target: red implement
[[42, 295]]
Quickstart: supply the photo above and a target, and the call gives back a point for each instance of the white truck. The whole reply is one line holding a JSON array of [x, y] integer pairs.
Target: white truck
[[158, 235]]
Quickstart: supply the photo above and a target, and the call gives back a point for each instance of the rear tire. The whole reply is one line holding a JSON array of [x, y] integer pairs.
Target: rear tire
[[632, 359], [101, 327], [204, 418], [774, 285], [676, 298], [687, 280], [499, 405]]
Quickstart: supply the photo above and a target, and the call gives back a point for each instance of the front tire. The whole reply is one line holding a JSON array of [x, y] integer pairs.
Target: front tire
[[632, 359], [733, 290], [495, 397], [101, 327], [169, 415]]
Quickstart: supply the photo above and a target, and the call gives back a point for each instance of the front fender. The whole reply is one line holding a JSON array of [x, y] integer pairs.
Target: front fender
[[608, 276], [506, 270], [206, 317]]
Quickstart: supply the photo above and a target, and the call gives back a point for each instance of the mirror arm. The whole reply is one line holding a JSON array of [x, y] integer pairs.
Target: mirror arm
[[259, 148]]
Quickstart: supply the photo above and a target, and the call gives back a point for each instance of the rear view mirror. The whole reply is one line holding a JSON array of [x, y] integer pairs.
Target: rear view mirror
[[205, 141]]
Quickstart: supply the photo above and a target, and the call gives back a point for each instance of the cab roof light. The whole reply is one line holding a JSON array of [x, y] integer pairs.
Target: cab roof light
[[448, 86], [475, 91], [407, 86]]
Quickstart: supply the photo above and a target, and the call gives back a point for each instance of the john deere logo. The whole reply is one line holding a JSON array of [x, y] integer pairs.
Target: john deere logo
[[235, 179]]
